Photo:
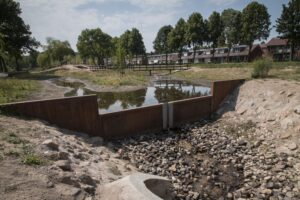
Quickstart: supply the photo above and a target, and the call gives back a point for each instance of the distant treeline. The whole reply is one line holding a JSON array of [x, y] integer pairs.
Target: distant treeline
[[231, 27]]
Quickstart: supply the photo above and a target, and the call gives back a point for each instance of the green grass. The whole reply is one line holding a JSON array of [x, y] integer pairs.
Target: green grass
[[13, 152], [227, 71], [33, 159], [14, 89], [109, 77], [245, 65], [13, 139]]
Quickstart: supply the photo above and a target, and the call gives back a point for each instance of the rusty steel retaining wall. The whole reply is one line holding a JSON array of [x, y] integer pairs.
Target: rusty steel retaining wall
[[220, 89], [81, 113], [133, 121], [74, 113], [188, 110]]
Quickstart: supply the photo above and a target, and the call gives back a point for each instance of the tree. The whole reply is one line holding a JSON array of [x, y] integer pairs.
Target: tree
[[94, 44], [135, 43], [58, 50], [176, 38], [43, 60], [231, 20], [124, 42], [256, 24], [160, 43], [215, 29], [16, 35], [195, 30], [288, 24]]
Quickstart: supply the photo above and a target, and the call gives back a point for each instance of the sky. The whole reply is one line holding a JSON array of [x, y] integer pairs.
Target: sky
[[65, 19]]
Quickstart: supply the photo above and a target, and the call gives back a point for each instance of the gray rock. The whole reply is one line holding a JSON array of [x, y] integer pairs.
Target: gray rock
[[69, 180], [292, 145], [86, 179], [297, 110], [51, 144], [64, 165]]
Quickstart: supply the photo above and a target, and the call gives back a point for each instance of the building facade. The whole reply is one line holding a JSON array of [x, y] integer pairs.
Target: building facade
[[276, 49]]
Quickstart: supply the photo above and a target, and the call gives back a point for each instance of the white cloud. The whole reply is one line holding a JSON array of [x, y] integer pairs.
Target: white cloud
[[222, 2], [63, 20]]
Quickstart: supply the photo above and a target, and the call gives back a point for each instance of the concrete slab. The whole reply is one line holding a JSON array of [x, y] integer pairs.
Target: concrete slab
[[138, 186]]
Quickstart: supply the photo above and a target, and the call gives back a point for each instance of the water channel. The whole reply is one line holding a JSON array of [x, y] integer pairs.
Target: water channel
[[159, 92]]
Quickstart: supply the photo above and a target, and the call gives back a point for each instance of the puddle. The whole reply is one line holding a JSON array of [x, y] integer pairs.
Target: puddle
[[161, 91]]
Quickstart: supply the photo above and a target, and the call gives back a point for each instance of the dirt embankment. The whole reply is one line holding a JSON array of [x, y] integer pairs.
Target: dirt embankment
[[273, 105], [38, 161]]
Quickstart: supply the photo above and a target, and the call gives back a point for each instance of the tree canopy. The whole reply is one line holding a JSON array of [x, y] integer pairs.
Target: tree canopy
[[232, 23], [215, 29], [176, 38], [94, 44], [160, 43], [15, 34], [136, 43], [55, 53], [195, 31], [256, 23], [288, 24]]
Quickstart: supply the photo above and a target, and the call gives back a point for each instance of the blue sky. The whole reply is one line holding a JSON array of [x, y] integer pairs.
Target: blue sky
[[65, 19]]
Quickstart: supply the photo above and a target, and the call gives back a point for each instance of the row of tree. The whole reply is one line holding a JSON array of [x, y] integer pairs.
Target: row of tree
[[229, 28], [18, 48]]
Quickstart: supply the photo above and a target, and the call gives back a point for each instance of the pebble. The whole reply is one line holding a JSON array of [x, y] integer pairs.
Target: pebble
[[199, 159]]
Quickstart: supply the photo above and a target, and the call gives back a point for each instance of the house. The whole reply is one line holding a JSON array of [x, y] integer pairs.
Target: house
[[280, 50]]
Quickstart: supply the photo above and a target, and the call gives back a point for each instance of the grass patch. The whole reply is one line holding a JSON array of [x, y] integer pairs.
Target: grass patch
[[108, 77], [13, 89], [214, 74], [13, 139], [13, 152], [33, 159], [227, 71]]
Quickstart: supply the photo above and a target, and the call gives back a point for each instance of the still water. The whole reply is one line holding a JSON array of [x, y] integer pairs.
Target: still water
[[161, 91]]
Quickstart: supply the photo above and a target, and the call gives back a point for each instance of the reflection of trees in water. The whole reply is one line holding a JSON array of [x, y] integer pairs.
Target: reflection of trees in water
[[127, 99], [175, 92]]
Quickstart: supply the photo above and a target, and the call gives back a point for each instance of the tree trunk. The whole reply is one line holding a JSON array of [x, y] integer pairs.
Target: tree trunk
[[229, 48], [180, 53], [166, 58], [249, 53], [292, 51], [17, 64], [194, 55], [213, 57]]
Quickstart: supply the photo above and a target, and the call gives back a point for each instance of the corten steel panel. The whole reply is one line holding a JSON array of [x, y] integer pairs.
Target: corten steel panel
[[220, 89], [191, 109], [74, 113], [132, 122]]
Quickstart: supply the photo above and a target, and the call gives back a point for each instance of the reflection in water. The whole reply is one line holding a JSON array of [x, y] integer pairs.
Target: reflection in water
[[161, 91]]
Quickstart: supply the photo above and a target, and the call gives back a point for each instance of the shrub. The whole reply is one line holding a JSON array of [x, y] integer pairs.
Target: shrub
[[261, 68]]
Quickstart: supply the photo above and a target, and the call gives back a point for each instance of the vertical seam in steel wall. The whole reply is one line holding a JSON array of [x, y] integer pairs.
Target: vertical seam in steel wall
[[165, 116], [171, 116]]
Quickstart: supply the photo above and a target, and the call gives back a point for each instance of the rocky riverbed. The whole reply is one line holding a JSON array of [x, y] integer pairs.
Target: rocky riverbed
[[217, 161]]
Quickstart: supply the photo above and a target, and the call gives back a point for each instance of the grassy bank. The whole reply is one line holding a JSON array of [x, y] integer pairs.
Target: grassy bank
[[226, 71], [109, 77], [13, 89]]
